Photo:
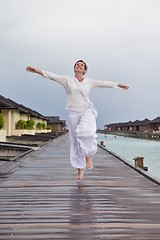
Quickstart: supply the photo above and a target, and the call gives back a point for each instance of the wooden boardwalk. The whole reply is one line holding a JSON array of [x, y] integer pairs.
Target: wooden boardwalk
[[41, 199]]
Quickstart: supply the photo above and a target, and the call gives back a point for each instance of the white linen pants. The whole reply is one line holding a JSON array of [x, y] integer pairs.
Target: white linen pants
[[82, 132]]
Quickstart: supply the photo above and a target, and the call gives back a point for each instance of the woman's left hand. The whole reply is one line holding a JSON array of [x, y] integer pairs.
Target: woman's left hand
[[124, 87]]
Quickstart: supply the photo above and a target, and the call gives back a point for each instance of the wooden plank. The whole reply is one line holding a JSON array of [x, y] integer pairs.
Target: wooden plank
[[7, 167], [41, 199]]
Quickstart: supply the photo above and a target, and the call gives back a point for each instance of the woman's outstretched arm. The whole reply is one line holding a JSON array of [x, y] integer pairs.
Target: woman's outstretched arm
[[55, 77]]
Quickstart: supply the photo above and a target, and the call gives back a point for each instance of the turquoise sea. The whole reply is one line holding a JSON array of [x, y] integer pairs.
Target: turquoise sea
[[129, 148]]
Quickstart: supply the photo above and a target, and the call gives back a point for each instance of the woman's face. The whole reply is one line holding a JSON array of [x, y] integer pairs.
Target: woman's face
[[80, 67]]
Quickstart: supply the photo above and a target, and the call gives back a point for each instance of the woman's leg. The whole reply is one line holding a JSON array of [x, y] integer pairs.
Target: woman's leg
[[86, 136], [80, 174], [76, 159], [89, 163], [82, 130]]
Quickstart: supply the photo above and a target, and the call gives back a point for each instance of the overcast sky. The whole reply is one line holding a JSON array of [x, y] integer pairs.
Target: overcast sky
[[119, 40]]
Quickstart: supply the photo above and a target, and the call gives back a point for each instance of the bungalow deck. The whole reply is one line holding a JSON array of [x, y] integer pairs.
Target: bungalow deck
[[40, 199]]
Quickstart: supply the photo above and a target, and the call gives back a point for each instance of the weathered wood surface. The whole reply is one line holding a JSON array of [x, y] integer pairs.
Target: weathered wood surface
[[41, 199]]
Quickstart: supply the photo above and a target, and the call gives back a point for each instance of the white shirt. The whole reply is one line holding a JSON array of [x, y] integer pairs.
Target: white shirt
[[75, 100]]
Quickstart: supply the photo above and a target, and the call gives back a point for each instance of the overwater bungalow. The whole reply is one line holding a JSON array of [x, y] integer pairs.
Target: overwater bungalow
[[19, 120], [55, 124], [145, 125]]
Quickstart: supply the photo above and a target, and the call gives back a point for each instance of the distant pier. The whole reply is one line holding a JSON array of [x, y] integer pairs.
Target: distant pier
[[142, 135]]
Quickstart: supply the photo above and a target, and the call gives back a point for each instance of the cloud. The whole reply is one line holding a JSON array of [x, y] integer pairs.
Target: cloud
[[119, 39]]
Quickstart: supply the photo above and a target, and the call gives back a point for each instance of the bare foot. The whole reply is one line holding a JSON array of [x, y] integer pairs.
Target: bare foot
[[80, 174], [89, 164]]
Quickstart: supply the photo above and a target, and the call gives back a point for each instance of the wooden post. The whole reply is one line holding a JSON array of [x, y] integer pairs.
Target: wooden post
[[102, 143], [138, 161]]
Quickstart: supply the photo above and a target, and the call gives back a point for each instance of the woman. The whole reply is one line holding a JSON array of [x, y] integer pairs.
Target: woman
[[82, 114]]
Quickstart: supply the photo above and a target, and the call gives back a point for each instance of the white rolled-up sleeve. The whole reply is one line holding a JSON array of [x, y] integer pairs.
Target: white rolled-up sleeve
[[104, 84], [55, 77]]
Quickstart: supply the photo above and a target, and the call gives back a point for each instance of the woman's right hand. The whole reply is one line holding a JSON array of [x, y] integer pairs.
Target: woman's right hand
[[31, 69]]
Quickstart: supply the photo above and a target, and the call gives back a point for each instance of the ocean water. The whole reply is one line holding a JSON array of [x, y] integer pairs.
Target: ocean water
[[129, 148]]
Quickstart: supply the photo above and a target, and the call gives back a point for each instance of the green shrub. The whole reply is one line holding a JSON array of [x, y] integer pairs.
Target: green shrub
[[21, 124], [43, 126], [40, 125], [1, 121], [30, 124]]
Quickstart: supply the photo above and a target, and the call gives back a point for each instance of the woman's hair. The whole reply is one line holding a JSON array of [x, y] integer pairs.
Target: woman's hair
[[85, 65]]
